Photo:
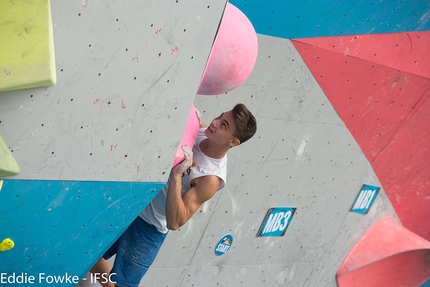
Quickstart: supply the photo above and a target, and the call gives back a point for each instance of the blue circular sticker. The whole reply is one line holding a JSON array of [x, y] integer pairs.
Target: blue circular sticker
[[224, 245]]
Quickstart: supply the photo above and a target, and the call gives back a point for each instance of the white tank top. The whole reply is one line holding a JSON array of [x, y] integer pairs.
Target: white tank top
[[155, 212]]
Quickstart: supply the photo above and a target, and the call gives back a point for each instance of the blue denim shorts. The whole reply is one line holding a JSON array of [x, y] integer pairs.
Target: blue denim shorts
[[135, 251]]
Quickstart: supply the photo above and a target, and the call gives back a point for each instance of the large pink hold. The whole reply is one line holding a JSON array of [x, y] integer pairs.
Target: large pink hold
[[233, 54], [387, 255], [189, 136]]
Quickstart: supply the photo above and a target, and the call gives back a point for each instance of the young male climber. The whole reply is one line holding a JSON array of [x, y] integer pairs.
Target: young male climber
[[190, 184]]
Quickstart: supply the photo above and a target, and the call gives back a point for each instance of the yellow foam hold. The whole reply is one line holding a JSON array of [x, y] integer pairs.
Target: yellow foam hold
[[27, 57], [6, 244], [8, 165]]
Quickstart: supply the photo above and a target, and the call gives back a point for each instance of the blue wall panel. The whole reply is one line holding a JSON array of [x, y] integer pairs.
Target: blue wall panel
[[308, 19], [65, 226], [426, 284]]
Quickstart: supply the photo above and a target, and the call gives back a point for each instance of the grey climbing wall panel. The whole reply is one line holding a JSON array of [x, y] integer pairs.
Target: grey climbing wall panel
[[302, 156], [127, 74]]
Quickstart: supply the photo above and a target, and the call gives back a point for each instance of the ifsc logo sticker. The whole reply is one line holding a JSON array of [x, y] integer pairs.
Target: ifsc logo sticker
[[276, 221], [224, 245]]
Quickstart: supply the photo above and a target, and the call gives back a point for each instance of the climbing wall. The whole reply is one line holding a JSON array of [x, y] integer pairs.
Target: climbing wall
[[300, 195], [95, 148], [302, 157], [324, 131]]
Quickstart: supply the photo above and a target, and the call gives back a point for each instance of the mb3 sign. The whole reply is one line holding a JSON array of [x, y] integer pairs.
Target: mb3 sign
[[276, 221]]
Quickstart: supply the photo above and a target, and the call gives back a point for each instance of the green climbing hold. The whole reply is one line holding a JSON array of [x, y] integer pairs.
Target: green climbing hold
[[8, 165]]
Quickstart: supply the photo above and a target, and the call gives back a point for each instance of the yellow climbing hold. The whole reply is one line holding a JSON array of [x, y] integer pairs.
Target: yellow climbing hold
[[6, 244]]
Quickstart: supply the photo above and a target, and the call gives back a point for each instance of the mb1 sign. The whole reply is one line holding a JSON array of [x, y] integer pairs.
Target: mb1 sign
[[365, 198]]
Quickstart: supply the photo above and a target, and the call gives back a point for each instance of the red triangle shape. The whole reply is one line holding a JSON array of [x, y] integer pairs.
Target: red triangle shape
[[379, 104], [402, 51]]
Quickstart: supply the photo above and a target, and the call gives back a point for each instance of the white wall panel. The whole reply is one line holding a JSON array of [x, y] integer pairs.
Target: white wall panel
[[302, 156], [127, 74]]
